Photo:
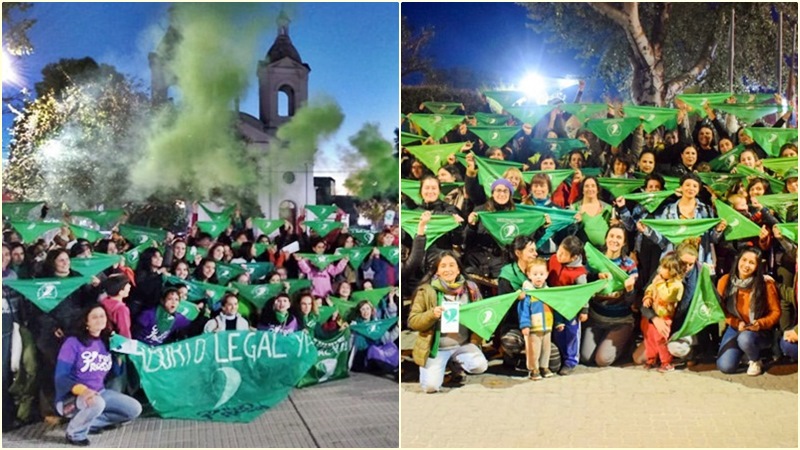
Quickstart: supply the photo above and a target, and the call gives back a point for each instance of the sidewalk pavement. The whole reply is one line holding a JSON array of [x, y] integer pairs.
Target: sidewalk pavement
[[360, 411]]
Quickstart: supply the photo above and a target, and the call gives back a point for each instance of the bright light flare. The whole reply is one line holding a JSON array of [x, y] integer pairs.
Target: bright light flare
[[564, 83], [9, 75], [534, 88]]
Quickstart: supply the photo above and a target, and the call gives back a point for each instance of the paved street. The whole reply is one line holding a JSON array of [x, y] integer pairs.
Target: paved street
[[360, 411]]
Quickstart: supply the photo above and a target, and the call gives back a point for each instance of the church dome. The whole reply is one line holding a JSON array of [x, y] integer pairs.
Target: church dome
[[283, 48]]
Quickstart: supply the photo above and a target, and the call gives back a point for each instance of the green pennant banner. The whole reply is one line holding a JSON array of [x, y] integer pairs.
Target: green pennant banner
[[695, 101], [374, 295], [19, 211], [780, 165], [779, 203], [436, 125], [613, 131], [221, 216], [357, 255], [789, 231], [568, 300], [585, 111], [258, 294], [442, 107], [559, 219], [322, 212], [753, 98], [438, 226], [530, 114], [137, 235], [323, 227], [233, 376], [772, 139], [600, 263], [649, 200], [86, 233], [490, 120], [332, 363], [727, 161], [774, 183], [320, 261], [374, 329], [197, 290], [653, 117], [619, 187], [227, 272], [719, 182], [556, 176], [364, 237], [748, 113], [132, 255], [297, 284], [267, 226], [705, 308], [434, 156], [506, 226], [29, 231], [506, 99], [558, 147], [390, 253], [483, 316], [214, 228], [47, 293], [343, 306], [678, 230], [410, 138], [94, 264], [104, 219], [738, 226], [495, 136]]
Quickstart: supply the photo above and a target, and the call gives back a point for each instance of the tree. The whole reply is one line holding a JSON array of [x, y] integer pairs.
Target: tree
[[412, 48], [657, 50], [68, 72], [15, 31]]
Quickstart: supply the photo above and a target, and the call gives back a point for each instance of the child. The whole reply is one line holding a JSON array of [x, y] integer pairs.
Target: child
[[536, 322], [663, 295], [566, 269]]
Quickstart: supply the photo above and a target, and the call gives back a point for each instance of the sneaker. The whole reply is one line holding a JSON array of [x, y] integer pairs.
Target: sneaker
[[79, 443], [649, 365], [566, 370], [666, 368], [754, 368], [547, 373], [535, 375]]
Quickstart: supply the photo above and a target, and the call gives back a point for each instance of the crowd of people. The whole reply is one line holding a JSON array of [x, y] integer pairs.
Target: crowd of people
[[694, 168], [56, 361]]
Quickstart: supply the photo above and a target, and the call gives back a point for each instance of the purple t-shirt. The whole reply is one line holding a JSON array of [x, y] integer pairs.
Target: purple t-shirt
[[80, 364]]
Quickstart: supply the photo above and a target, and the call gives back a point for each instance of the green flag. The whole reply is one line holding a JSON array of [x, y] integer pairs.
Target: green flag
[[789, 231], [19, 211], [442, 107], [297, 284], [322, 211], [320, 261], [214, 228], [672, 183], [356, 255], [600, 263], [738, 226], [227, 272], [774, 183], [585, 111], [653, 117], [197, 289], [364, 237], [559, 219], [29, 231], [411, 189], [506, 226], [374, 329], [695, 101], [221, 216], [230, 376], [47, 293], [139, 235], [705, 307], [753, 98], [188, 310], [727, 161], [267, 226], [332, 363], [483, 316], [748, 113], [193, 251], [649, 200], [323, 227], [568, 300], [132, 255], [597, 171], [530, 114], [438, 226], [343, 306], [556, 176], [779, 203], [434, 156], [490, 120], [780, 165], [505, 98], [495, 136], [105, 219], [613, 131], [258, 294], [390, 253], [771, 139], [258, 270], [719, 182], [374, 295], [558, 147], [86, 233], [619, 187], [489, 170], [325, 313], [410, 138], [94, 264], [436, 125], [678, 230]]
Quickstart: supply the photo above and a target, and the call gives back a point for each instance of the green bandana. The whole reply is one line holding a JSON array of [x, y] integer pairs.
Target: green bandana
[[779, 203], [678, 230], [357, 255], [323, 227], [282, 316], [704, 309], [29, 231], [193, 251], [19, 211], [505, 226], [95, 264], [748, 113], [483, 317], [585, 111], [753, 98], [139, 235], [596, 227], [613, 131], [489, 170], [530, 114], [442, 107], [654, 117], [105, 219], [325, 313], [320, 261], [780, 165], [374, 329], [132, 255], [364, 237], [410, 138], [197, 289], [619, 187], [267, 226], [438, 226], [436, 125], [164, 320], [297, 284], [726, 162], [505, 98], [490, 120], [556, 176], [258, 294], [738, 226], [214, 228], [187, 309], [86, 233], [222, 216], [374, 296], [774, 183], [343, 306], [227, 272], [391, 254], [559, 219], [558, 147], [719, 182], [789, 231], [47, 293], [600, 263], [495, 136], [322, 212], [649, 200], [434, 156], [695, 101], [772, 139], [568, 300]]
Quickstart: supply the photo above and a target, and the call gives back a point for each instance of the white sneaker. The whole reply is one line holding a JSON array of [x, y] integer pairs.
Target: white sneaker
[[754, 368]]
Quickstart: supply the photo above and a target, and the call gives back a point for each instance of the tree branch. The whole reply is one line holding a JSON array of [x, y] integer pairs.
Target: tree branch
[[628, 20], [660, 28], [697, 71], [616, 15]]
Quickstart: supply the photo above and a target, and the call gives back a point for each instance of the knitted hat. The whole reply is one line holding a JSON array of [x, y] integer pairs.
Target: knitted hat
[[503, 182]]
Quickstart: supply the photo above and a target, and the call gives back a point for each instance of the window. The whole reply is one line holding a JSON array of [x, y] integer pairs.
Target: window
[[285, 101]]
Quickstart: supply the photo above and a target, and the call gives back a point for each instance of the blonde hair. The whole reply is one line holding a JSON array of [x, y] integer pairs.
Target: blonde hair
[[536, 262], [673, 264], [689, 246]]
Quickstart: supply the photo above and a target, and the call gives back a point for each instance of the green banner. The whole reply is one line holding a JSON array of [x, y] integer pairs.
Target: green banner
[[774, 183], [356, 255], [490, 120], [620, 187], [738, 226], [230, 376], [585, 111], [678, 230], [374, 329], [323, 227], [505, 98], [727, 161], [47, 293], [442, 107], [653, 117], [391, 253], [495, 136], [30, 231], [559, 219], [789, 231], [436, 125], [267, 226], [332, 362], [695, 102], [483, 316], [214, 228], [322, 212], [86, 233], [132, 255], [258, 294], [719, 182], [438, 226], [364, 237], [197, 289], [227, 272], [748, 113], [94, 264], [139, 235], [780, 203], [434, 156], [771, 139], [649, 200], [19, 211], [556, 176], [613, 131], [568, 300], [320, 261], [374, 295], [105, 219], [530, 114], [600, 263], [221, 216], [705, 308], [506, 226], [780, 165], [410, 138]]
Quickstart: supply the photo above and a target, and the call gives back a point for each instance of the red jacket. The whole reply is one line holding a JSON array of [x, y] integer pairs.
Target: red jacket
[[561, 275]]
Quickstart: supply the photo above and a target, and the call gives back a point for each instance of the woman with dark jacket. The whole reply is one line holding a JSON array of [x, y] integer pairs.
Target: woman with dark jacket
[[482, 254], [429, 190], [147, 290]]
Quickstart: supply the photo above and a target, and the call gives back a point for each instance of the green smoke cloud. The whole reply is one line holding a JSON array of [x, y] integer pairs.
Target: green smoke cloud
[[379, 174]]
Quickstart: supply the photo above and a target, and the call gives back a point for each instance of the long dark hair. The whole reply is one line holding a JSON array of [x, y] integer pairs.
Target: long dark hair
[[145, 263], [268, 317], [81, 331], [49, 267], [758, 303], [437, 259], [624, 250]]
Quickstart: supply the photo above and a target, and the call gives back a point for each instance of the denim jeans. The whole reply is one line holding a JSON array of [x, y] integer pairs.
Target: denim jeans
[[735, 343], [468, 358], [789, 349], [108, 408], [568, 342]]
